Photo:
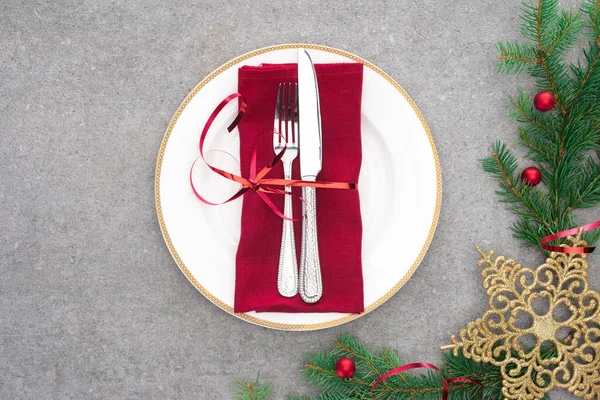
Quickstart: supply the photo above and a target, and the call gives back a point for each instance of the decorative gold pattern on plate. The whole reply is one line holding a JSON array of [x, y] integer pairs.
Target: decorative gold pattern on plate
[[542, 327], [253, 319]]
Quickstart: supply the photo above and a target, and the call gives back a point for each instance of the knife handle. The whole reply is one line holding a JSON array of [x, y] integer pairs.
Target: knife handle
[[287, 276], [311, 285]]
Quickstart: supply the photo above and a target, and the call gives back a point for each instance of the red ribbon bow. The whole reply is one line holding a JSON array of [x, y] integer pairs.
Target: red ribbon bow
[[256, 181]]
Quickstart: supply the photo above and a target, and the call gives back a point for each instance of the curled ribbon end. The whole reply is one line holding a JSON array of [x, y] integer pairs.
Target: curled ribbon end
[[570, 250], [238, 118]]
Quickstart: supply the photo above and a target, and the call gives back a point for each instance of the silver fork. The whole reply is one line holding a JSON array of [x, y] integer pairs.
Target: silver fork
[[286, 131]]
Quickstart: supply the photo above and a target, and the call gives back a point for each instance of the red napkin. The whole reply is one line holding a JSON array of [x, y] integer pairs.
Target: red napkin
[[338, 210]]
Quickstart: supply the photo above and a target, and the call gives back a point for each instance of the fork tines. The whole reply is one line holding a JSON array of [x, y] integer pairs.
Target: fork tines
[[286, 116]]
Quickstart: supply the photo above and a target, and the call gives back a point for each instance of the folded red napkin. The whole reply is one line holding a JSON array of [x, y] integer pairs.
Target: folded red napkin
[[338, 210]]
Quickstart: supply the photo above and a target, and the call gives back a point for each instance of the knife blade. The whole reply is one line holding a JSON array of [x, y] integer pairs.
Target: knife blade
[[310, 117], [310, 284]]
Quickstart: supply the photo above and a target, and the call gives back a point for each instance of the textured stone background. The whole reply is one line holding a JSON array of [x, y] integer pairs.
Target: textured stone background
[[91, 304]]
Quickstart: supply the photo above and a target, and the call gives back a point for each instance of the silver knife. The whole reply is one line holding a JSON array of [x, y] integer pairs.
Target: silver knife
[[310, 285]]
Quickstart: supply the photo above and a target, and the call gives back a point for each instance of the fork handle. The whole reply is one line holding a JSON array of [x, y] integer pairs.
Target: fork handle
[[311, 286], [287, 276]]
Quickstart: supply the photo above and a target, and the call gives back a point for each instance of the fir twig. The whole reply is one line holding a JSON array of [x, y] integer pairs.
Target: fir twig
[[252, 390]]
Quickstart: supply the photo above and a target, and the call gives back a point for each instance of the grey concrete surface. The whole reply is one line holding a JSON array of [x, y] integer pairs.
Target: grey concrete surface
[[91, 304]]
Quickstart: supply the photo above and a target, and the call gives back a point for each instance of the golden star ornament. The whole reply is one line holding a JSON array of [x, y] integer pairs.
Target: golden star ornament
[[542, 328]]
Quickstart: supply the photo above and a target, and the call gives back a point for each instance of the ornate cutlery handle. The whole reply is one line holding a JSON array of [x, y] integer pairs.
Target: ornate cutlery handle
[[287, 277], [311, 286]]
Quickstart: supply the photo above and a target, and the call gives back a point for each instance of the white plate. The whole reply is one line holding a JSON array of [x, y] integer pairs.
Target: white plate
[[400, 189]]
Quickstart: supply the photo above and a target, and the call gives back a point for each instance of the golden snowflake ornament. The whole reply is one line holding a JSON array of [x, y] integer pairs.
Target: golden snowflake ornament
[[542, 328]]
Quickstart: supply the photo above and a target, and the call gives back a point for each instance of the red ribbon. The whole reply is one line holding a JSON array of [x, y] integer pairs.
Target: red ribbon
[[256, 181], [569, 232], [407, 367]]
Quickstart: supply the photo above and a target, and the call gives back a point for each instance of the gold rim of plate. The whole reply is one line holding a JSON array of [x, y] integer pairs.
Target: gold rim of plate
[[252, 319]]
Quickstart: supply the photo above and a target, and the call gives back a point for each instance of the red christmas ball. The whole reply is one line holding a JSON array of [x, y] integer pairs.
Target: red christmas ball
[[544, 101], [345, 368], [531, 175]]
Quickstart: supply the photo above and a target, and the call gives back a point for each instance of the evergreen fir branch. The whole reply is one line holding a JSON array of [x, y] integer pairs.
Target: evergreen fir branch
[[569, 26], [553, 77], [320, 372], [252, 390], [528, 231], [587, 193], [541, 124], [529, 204], [542, 25], [546, 19], [579, 133], [487, 374], [515, 57], [591, 236], [539, 19], [587, 79], [537, 216], [552, 34], [561, 144], [592, 9], [538, 148], [391, 358], [579, 138], [348, 346]]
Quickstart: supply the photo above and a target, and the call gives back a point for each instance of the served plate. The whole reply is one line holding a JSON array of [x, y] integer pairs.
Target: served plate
[[400, 189]]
